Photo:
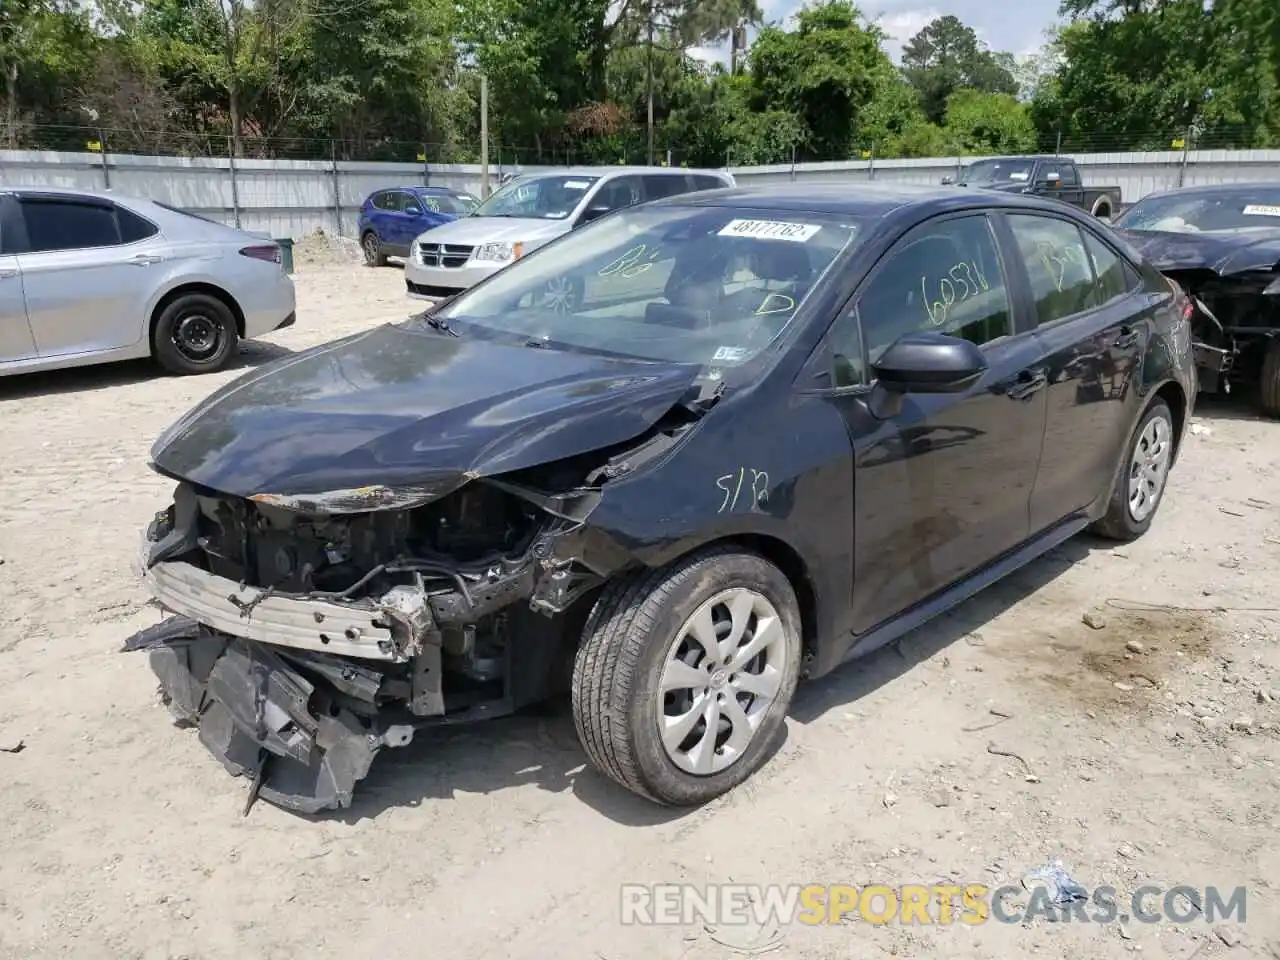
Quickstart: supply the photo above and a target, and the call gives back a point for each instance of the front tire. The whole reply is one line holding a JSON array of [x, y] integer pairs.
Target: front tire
[[1140, 482], [196, 333], [685, 675], [1269, 379]]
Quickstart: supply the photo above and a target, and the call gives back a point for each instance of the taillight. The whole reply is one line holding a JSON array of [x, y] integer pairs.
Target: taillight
[[270, 252]]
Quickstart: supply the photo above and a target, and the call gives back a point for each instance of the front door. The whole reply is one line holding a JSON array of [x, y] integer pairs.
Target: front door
[[75, 246], [942, 487], [1093, 325]]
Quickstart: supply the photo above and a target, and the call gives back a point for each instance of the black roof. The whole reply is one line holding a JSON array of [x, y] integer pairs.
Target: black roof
[[852, 198]]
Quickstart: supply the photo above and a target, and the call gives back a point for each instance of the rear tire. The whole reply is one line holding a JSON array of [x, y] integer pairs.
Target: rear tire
[[1143, 475], [660, 713], [196, 333], [1102, 207], [1269, 379], [371, 246]]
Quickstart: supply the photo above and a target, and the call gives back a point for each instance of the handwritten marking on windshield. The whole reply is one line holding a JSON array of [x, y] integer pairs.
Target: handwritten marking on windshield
[[781, 303], [757, 488], [966, 276], [632, 263]]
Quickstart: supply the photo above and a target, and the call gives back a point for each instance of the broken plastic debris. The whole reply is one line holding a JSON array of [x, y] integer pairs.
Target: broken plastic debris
[[1054, 877]]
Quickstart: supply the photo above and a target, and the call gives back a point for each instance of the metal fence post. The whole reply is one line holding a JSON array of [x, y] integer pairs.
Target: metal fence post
[[793, 161], [337, 189], [871, 164], [426, 167], [235, 188], [106, 173], [1186, 147]]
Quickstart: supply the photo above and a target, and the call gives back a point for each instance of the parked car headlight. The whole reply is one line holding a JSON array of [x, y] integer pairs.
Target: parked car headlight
[[358, 499], [1273, 288], [499, 252]]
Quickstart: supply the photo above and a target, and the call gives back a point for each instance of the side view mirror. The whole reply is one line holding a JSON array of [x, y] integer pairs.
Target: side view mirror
[[948, 179], [413, 211], [594, 213], [929, 362]]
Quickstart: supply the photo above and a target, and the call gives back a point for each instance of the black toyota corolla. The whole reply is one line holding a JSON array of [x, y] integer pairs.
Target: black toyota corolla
[[672, 463]]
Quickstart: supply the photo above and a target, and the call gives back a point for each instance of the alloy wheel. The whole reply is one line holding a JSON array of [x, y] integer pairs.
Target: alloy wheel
[[722, 672], [1149, 468]]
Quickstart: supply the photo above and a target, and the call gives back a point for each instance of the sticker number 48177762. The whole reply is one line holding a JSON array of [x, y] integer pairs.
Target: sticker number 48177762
[[770, 230]]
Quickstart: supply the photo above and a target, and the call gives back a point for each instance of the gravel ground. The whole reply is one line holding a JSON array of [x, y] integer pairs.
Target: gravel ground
[[1145, 740]]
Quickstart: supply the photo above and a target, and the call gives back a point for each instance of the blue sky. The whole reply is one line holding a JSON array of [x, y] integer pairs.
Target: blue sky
[[1018, 28]]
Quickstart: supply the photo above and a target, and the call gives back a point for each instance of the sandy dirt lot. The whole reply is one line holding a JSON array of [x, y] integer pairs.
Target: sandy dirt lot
[[121, 837]]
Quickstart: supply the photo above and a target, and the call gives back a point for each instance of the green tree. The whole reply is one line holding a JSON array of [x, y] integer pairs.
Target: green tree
[[946, 56], [824, 74], [988, 123]]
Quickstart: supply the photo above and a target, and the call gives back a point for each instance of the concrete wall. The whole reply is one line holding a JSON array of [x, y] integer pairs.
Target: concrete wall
[[291, 198]]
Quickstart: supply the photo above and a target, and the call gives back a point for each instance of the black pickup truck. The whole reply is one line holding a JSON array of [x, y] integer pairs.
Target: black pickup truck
[[1056, 177]]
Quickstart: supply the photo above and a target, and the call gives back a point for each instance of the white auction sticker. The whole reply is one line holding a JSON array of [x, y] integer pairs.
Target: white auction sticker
[[1261, 210], [731, 354], [769, 230]]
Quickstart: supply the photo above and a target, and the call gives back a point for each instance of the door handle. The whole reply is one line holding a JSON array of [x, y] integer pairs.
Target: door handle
[[145, 259], [1027, 384], [1128, 338]]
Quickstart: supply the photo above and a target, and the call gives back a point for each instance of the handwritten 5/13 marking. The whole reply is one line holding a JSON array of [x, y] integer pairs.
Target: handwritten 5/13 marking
[[737, 485], [963, 280]]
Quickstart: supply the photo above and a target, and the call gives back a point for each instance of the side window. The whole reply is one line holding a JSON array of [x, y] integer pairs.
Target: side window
[[430, 202], [941, 276], [845, 343], [659, 185], [619, 192], [384, 200], [133, 227], [1114, 280], [1070, 177], [402, 201], [68, 225], [704, 181], [1061, 278]]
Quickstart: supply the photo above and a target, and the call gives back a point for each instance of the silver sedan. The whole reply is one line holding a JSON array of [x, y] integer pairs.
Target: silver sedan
[[91, 277]]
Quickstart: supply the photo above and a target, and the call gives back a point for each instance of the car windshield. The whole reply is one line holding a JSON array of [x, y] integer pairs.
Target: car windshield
[[459, 204], [1255, 208], [701, 284], [541, 198], [995, 171]]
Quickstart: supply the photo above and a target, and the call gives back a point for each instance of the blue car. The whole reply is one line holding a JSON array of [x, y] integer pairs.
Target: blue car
[[390, 219]]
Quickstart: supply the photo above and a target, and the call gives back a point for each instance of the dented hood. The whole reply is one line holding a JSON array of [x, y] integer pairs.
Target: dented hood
[[1222, 253], [398, 406]]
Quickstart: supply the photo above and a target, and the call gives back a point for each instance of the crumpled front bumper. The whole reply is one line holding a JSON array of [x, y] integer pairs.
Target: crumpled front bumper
[[262, 718]]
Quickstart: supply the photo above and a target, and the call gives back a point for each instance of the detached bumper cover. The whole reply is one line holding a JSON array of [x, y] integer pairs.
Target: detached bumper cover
[[263, 719]]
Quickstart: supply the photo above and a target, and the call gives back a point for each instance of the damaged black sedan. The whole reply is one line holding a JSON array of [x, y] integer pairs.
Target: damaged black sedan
[[671, 464], [1221, 243]]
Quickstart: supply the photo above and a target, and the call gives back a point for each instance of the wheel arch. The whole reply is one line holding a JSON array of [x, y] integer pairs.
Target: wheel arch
[[182, 289], [782, 555], [1172, 394], [1102, 207]]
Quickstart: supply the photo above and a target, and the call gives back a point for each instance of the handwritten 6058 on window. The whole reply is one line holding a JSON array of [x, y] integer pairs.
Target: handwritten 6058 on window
[[946, 277]]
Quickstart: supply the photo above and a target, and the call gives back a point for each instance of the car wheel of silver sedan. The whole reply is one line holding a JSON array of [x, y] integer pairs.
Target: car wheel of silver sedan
[[195, 333], [685, 674]]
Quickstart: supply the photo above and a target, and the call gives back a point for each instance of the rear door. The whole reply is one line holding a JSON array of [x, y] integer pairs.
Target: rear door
[[1093, 322], [943, 487], [16, 340], [88, 272]]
